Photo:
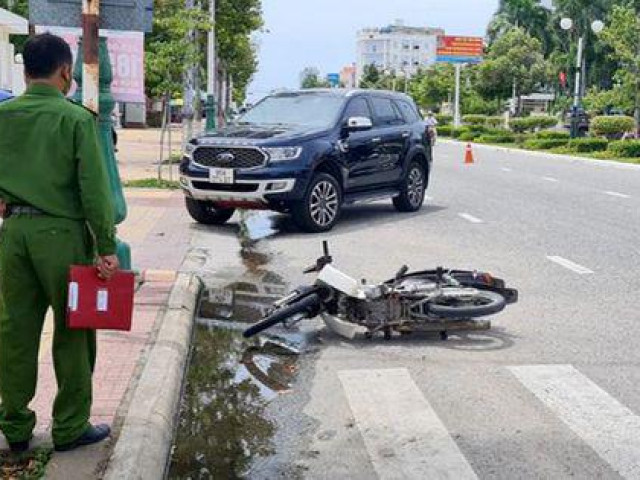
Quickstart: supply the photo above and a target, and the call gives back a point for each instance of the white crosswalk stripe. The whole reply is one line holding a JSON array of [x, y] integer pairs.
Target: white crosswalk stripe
[[403, 435], [606, 425]]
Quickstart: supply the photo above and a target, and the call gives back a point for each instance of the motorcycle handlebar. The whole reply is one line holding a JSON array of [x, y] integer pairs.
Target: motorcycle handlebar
[[308, 305]]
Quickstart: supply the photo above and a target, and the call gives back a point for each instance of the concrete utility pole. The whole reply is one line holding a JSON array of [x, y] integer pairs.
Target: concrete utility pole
[[91, 65], [211, 70], [457, 121]]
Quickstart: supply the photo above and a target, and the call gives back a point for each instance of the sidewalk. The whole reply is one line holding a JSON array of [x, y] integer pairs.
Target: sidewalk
[[158, 230]]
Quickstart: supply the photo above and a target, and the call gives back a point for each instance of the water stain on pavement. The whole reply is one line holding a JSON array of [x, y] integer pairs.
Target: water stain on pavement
[[223, 425]]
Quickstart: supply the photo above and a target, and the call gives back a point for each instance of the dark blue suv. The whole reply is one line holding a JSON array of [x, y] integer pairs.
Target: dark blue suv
[[308, 153]]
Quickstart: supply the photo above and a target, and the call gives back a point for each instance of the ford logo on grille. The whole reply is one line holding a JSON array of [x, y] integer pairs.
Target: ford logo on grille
[[226, 157]]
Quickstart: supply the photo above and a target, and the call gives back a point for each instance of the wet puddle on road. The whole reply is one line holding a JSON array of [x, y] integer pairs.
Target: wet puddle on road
[[224, 425]]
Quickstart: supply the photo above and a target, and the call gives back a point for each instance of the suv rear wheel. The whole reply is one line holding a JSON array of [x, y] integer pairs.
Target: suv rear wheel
[[207, 213], [412, 190], [320, 209]]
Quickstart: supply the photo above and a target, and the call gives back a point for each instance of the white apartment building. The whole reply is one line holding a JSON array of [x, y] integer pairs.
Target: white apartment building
[[397, 48]]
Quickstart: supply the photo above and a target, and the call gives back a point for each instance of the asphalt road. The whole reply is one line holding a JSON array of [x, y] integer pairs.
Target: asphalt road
[[550, 392]]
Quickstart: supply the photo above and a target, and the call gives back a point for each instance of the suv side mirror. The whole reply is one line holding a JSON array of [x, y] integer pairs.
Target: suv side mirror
[[358, 124]]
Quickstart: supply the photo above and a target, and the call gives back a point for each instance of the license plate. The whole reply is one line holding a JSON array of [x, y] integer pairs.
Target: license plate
[[221, 175]]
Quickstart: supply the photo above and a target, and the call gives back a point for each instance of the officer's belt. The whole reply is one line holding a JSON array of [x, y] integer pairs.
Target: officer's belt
[[18, 210]]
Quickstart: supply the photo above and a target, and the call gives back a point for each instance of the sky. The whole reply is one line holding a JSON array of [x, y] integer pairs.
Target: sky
[[322, 34]]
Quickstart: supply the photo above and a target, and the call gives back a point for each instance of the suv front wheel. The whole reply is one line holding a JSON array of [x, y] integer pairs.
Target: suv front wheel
[[412, 190], [207, 213], [320, 209]]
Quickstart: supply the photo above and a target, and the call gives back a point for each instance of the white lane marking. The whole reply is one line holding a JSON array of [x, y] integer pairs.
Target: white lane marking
[[579, 269], [551, 179], [606, 425], [618, 194], [470, 218], [403, 435], [505, 169]]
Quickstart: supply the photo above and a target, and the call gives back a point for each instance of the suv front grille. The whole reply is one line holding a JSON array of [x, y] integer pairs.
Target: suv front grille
[[222, 157]]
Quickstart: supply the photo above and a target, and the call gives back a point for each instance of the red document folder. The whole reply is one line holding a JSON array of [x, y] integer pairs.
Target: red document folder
[[98, 304]]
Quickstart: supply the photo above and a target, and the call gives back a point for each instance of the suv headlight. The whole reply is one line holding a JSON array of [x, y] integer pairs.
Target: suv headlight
[[281, 154], [188, 150]]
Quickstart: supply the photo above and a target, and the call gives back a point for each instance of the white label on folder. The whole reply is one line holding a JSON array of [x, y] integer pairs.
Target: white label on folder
[[102, 300], [73, 296]]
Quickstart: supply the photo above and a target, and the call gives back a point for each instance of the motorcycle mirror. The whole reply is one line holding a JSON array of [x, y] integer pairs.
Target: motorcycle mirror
[[402, 272]]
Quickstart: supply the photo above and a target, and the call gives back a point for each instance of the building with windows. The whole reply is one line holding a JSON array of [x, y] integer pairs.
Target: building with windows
[[397, 48], [348, 76]]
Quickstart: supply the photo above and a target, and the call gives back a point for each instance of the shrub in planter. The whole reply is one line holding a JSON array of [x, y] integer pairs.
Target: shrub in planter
[[586, 145], [545, 144], [467, 136], [477, 129], [520, 125], [444, 119], [544, 122], [552, 134], [474, 119], [625, 148], [529, 124], [505, 137], [445, 130], [612, 127], [494, 122]]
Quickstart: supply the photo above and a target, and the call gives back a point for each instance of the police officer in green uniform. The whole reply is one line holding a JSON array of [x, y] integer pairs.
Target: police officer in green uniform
[[57, 212]]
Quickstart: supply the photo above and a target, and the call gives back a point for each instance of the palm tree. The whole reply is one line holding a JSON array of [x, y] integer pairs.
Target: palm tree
[[529, 15]]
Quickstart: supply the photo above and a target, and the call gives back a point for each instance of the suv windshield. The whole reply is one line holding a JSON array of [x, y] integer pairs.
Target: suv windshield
[[306, 109]]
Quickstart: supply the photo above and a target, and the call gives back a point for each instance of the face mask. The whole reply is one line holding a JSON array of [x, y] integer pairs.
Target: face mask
[[67, 83]]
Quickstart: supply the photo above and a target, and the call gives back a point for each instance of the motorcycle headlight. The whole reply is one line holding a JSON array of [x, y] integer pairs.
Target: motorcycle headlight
[[281, 154]]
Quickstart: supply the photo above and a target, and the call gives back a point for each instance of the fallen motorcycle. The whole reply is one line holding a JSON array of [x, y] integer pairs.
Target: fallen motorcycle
[[439, 300]]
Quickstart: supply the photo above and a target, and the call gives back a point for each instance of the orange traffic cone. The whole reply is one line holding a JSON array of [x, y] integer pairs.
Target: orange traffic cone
[[468, 155]]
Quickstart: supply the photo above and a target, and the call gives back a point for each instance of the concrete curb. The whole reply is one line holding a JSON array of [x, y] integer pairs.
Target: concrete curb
[[533, 153], [144, 444]]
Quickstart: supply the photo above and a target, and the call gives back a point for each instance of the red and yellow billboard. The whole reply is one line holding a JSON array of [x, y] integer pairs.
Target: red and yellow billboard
[[452, 49]]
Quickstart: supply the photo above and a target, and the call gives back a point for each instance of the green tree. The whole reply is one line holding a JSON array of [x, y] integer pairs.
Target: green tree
[[529, 15], [432, 86], [310, 78], [371, 77], [622, 35], [236, 20], [515, 61]]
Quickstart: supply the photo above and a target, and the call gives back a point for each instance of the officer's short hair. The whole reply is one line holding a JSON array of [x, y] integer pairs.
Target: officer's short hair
[[44, 54]]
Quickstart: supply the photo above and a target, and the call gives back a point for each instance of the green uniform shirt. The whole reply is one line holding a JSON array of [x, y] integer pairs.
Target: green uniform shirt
[[50, 159]]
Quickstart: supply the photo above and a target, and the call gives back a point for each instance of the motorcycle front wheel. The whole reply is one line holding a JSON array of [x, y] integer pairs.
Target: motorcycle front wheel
[[480, 303]]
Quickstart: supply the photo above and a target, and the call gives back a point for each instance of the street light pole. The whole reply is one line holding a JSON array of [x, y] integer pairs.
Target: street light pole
[[577, 92], [211, 70]]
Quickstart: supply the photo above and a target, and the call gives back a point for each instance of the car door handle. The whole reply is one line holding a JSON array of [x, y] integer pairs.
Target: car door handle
[[376, 140], [406, 134]]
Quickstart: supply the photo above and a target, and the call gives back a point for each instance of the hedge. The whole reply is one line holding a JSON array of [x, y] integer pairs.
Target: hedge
[[505, 137], [587, 145], [552, 134], [612, 126], [444, 119], [474, 119], [529, 124], [494, 122], [445, 130], [625, 148], [545, 144], [468, 136]]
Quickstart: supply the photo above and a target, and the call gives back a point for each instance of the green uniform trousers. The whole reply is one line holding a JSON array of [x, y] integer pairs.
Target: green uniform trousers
[[35, 255]]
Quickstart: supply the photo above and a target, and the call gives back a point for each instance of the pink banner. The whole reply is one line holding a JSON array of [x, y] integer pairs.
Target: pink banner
[[126, 51]]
